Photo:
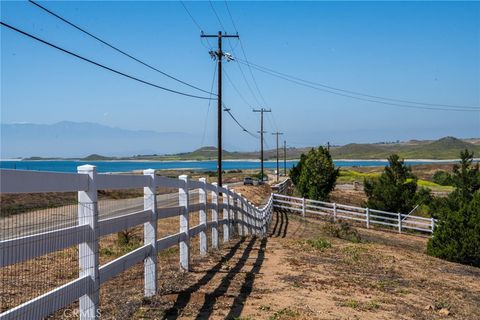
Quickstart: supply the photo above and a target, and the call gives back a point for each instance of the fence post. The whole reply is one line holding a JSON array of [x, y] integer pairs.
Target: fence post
[[240, 221], [202, 213], [254, 218], [88, 251], [334, 212], [251, 220], [231, 214], [226, 215], [367, 212], [244, 217], [304, 207], [399, 222], [150, 235], [184, 245], [432, 224], [215, 216]]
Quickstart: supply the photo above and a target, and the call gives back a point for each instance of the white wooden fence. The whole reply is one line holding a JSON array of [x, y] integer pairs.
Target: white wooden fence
[[239, 216], [371, 217]]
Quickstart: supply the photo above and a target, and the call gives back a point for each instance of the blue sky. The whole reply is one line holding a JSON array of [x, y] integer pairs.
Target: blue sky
[[422, 51]]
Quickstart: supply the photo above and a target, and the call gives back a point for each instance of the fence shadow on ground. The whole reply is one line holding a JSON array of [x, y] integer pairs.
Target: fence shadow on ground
[[254, 249], [281, 224]]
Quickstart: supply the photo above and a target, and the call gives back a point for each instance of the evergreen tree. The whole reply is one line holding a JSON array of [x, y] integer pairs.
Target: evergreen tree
[[296, 169], [457, 234], [317, 175], [396, 189]]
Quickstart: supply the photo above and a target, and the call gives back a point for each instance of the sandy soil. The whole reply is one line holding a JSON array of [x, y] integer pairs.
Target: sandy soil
[[385, 276], [282, 276]]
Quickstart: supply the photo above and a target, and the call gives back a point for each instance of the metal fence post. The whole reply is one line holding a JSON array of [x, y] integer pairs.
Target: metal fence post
[[334, 212], [215, 217], [432, 224], [240, 221], [367, 212], [88, 257], [202, 213], [304, 207], [184, 245], [226, 215], [150, 235], [399, 222]]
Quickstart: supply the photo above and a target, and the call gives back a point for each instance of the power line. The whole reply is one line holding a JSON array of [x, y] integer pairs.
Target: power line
[[208, 109], [216, 15], [197, 24], [117, 49], [101, 65], [191, 16], [236, 90], [228, 110], [469, 109], [315, 85], [246, 59]]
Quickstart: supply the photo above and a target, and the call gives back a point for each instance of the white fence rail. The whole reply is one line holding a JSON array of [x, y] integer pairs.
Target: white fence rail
[[238, 215], [371, 217]]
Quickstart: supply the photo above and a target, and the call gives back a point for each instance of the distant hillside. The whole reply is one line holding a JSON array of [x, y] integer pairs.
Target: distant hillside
[[444, 148]]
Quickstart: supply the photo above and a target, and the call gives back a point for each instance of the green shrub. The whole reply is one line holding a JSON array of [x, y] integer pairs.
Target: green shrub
[[443, 178], [341, 230], [457, 234], [319, 243]]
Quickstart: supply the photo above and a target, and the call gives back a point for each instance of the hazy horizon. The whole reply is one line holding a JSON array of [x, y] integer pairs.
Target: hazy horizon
[[68, 139], [426, 52]]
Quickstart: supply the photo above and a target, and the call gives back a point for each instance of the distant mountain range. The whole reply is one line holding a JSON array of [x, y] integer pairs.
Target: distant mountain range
[[76, 140]]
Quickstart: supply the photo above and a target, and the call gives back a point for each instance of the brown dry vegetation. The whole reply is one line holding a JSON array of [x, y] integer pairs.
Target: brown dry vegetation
[[385, 276]]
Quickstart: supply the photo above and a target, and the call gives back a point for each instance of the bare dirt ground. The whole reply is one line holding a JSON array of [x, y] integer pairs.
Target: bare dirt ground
[[385, 276], [298, 272]]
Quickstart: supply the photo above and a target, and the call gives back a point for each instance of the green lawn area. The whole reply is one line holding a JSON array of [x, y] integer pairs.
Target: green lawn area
[[350, 176]]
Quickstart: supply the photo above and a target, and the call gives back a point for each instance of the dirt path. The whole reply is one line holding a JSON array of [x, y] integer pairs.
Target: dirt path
[[385, 276]]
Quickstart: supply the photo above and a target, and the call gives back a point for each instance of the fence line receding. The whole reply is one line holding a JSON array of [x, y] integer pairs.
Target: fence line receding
[[229, 213]]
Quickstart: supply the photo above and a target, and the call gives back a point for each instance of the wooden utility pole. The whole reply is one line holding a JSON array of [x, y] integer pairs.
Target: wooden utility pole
[[278, 168], [219, 56], [262, 110]]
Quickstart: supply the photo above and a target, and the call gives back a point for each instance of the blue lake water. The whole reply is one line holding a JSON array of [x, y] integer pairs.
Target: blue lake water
[[125, 166]]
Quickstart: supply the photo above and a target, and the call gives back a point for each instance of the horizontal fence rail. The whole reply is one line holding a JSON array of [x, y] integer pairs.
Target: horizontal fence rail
[[371, 217], [237, 215]]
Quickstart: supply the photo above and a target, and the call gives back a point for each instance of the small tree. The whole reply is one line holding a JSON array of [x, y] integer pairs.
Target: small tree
[[466, 176], [396, 189], [457, 235], [443, 178], [317, 175], [297, 169]]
